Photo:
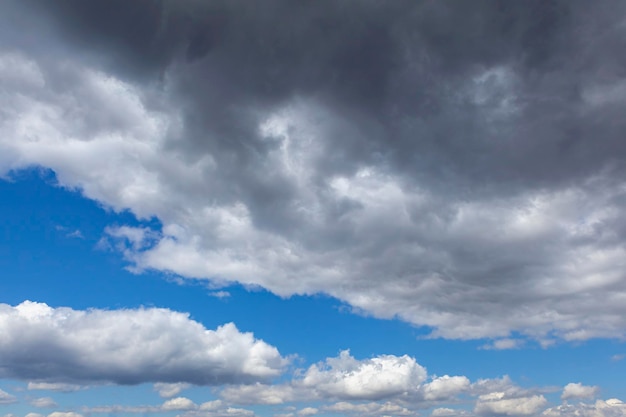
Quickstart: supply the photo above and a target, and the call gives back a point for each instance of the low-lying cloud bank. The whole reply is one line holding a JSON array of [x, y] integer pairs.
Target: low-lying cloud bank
[[473, 183], [62, 345]]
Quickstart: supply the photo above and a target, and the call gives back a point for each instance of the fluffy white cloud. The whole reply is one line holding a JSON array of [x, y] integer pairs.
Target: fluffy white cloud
[[379, 377], [445, 387], [384, 377], [578, 390], [308, 411], [128, 347], [178, 404], [6, 398], [497, 403]]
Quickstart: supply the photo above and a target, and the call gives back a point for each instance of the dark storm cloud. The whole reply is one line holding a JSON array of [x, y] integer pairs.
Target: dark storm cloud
[[459, 165]]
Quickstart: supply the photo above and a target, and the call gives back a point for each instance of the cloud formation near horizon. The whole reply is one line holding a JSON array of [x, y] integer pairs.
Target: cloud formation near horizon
[[62, 345], [472, 182]]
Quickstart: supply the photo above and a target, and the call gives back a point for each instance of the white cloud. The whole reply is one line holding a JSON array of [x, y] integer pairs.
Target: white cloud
[[53, 386], [379, 377], [445, 387], [370, 409], [64, 414], [385, 377], [6, 398], [43, 402], [188, 408], [497, 403], [166, 390], [308, 411], [264, 394], [448, 412], [609, 408], [127, 346], [33, 415], [178, 404], [502, 344], [578, 390]]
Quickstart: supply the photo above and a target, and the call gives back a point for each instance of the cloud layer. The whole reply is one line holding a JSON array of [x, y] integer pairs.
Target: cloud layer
[[38, 342], [458, 166]]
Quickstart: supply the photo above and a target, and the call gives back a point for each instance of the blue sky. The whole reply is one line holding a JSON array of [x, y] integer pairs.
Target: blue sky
[[367, 210]]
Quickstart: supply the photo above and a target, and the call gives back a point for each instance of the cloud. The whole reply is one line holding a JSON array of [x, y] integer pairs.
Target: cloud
[[178, 404], [445, 388], [578, 390], [53, 386], [398, 380], [166, 390], [64, 414], [502, 344], [369, 409], [188, 408], [127, 347], [6, 398], [497, 403], [346, 378], [447, 412], [609, 408], [43, 402], [353, 151], [371, 379], [308, 411]]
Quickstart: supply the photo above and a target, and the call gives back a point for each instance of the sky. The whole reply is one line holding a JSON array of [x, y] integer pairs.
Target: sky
[[272, 208]]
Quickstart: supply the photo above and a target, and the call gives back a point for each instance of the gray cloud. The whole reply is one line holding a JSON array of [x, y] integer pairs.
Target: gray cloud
[[458, 166]]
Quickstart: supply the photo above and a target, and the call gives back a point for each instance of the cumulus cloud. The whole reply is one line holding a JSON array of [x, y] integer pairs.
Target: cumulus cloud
[[127, 347], [352, 150], [347, 378], [578, 390], [366, 386], [379, 377]]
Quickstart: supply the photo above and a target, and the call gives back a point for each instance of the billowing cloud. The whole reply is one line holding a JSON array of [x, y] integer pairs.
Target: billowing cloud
[[578, 390], [370, 379], [471, 182], [380, 381], [127, 347]]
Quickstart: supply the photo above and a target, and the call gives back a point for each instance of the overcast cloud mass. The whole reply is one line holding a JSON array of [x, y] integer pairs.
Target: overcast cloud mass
[[458, 167]]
